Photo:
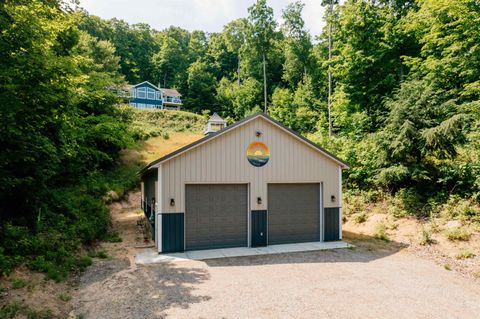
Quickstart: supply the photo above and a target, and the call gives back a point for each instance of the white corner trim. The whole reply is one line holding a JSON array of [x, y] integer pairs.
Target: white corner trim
[[158, 217], [340, 201]]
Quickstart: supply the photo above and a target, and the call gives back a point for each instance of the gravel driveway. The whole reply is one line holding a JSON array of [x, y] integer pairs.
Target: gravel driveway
[[347, 283]]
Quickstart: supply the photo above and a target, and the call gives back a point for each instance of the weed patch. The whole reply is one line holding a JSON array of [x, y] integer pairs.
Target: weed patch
[[465, 254], [457, 234], [381, 231], [360, 218]]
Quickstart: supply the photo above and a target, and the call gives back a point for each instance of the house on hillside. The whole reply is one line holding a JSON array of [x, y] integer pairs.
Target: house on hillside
[[252, 183], [171, 99], [145, 95]]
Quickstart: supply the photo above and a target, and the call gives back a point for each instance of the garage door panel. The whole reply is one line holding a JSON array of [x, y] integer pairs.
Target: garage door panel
[[293, 213], [216, 216]]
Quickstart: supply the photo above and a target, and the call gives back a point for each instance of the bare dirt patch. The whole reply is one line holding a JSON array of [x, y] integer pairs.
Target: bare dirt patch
[[409, 232]]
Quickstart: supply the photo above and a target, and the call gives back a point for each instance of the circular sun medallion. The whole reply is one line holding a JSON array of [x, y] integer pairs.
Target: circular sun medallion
[[258, 154]]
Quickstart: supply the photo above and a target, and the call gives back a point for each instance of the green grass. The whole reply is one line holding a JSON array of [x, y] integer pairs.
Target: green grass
[[447, 267], [154, 123], [17, 309]]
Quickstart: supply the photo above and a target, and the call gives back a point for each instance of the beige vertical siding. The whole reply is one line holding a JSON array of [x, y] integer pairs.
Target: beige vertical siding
[[224, 160]]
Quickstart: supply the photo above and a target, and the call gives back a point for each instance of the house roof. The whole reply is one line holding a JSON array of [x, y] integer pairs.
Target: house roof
[[170, 92], [216, 118], [146, 82], [214, 135]]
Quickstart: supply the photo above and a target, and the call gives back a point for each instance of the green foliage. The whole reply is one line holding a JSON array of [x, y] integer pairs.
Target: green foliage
[[17, 309], [150, 123], [462, 209], [200, 88], [112, 238], [426, 238], [102, 254], [360, 218], [61, 138], [457, 233], [19, 283], [381, 231]]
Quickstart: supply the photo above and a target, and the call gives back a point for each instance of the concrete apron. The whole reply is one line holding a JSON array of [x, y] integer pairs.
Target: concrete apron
[[150, 256]]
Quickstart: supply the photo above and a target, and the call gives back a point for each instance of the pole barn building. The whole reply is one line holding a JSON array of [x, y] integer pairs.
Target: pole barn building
[[253, 183]]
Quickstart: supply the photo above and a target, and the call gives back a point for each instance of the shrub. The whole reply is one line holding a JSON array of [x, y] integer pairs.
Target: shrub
[[463, 209], [112, 237], [464, 254], [457, 233], [410, 201], [360, 218], [447, 266], [83, 262], [396, 211], [98, 254], [426, 238], [381, 231]]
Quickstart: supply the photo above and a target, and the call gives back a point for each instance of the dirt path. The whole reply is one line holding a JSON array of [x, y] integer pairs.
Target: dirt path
[[374, 280]]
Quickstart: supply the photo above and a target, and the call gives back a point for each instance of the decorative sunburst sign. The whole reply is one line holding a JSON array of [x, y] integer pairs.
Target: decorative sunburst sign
[[258, 154]]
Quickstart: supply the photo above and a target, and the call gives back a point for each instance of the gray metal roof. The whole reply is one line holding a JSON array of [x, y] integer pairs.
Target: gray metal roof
[[170, 92], [216, 118], [169, 156]]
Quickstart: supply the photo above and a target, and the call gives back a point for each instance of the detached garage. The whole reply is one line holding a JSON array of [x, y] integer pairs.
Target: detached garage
[[253, 183]]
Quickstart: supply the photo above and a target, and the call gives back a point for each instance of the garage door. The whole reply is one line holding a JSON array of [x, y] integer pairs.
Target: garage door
[[293, 213], [215, 216]]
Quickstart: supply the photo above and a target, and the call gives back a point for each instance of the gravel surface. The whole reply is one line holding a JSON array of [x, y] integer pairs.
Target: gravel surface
[[347, 283]]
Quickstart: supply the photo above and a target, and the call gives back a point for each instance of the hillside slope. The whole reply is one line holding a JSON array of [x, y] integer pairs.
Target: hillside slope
[[28, 293]]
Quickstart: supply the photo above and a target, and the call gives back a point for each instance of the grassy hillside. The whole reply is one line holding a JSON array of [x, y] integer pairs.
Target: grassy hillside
[[152, 123], [161, 132]]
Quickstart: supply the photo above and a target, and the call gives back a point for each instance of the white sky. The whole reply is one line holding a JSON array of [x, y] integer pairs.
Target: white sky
[[206, 15]]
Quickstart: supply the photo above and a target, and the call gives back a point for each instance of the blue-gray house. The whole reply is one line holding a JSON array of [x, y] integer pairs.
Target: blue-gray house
[[145, 95]]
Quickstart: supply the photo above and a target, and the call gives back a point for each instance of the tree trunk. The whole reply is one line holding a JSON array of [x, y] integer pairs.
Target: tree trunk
[[329, 71], [265, 82]]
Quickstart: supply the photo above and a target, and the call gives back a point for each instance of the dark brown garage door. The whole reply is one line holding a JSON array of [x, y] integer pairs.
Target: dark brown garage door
[[293, 213], [215, 216]]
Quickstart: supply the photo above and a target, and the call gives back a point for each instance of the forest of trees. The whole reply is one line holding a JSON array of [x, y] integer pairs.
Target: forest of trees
[[406, 82], [405, 104]]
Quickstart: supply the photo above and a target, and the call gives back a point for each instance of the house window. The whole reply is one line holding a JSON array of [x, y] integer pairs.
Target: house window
[[150, 94], [141, 93], [133, 104], [140, 105], [157, 95], [133, 93]]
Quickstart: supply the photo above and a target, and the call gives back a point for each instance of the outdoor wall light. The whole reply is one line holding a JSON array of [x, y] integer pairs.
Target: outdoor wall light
[[258, 133], [172, 201], [259, 200], [333, 199]]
